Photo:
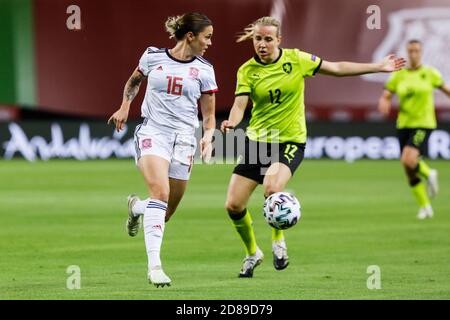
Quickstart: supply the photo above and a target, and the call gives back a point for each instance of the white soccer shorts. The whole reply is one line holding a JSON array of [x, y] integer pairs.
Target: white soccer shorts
[[177, 148]]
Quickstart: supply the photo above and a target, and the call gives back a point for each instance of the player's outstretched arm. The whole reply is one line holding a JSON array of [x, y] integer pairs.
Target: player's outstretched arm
[[384, 103], [236, 113], [445, 89], [342, 69], [208, 109], [130, 91]]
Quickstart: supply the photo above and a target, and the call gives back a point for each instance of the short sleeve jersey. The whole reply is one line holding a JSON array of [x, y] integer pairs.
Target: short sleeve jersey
[[415, 91], [277, 93], [173, 88]]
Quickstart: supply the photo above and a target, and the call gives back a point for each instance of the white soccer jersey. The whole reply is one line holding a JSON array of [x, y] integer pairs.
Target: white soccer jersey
[[173, 88]]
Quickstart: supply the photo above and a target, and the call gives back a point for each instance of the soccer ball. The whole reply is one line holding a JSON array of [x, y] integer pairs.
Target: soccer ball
[[282, 210]]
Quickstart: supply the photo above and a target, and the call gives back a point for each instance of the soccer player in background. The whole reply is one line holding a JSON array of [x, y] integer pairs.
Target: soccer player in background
[[274, 81], [165, 144], [416, 120]]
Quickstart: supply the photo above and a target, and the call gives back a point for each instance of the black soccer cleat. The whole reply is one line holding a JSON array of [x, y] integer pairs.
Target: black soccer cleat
[[280, 264]]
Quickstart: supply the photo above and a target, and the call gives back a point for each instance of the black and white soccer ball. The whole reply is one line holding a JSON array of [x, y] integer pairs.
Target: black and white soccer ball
[[282, 210]]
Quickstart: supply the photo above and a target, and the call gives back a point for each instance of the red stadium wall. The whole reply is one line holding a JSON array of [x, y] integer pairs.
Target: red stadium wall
[[83, 72]]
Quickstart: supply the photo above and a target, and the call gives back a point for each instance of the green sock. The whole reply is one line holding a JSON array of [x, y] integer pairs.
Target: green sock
[[420, 193], [277, 235], [424, 169], [245, 229]]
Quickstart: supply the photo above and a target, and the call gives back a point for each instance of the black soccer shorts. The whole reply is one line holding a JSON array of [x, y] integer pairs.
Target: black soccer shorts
[[415, 137], [258, 156]]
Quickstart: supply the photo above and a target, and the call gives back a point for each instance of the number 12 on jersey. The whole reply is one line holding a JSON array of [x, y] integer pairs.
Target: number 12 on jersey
[[275, 96], [174, 86]]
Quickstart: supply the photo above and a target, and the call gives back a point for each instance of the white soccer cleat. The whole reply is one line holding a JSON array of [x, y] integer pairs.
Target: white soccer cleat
[[133, 222], [157, 277], [250, 263], [432, 183], [425, 212], [280, 256]]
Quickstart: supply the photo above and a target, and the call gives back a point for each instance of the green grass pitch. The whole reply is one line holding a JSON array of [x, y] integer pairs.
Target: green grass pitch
[[61, 213]]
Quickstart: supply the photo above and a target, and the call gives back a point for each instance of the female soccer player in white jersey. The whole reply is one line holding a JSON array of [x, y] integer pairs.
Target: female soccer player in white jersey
[[165, 144], [274, 80]]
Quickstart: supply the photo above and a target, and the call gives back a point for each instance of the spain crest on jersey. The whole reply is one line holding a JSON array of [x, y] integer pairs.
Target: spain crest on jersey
[[193, 73]]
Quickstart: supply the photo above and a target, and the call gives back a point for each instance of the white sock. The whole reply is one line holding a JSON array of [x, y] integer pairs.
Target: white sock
[[139, 207], [154, 217]]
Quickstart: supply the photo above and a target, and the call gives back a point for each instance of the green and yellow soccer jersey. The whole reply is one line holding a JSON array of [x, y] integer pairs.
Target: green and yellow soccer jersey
[[277, 92], [415, 91]]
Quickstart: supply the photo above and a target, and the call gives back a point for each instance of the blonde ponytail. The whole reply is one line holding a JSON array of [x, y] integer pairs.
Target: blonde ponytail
[[173, 24], [248, 32]]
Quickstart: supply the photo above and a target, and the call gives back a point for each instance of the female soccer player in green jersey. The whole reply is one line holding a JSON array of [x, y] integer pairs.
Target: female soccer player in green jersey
[[274, 81], [416, 119]]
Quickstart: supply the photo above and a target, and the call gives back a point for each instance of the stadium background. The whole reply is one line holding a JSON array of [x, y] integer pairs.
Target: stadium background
[[58, 87], [49, 72]]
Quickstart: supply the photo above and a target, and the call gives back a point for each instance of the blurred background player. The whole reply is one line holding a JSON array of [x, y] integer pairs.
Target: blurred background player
[[165, 144], [274, 81], [416, 120]]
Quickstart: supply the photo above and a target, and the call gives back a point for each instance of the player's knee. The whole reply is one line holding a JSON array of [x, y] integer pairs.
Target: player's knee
[[233, 208], [272, 187], [408, 161]]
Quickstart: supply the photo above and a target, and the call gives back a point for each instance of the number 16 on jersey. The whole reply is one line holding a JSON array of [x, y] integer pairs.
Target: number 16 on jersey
[[175, 86]]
